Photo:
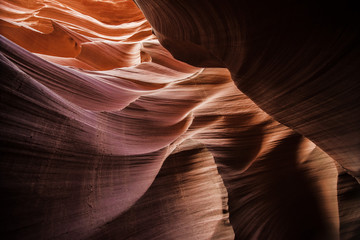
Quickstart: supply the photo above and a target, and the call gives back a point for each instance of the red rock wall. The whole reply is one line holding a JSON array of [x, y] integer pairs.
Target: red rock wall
[[105, 135]]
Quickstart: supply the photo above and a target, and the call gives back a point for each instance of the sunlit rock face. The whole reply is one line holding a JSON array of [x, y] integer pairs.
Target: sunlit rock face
[[105, 135]]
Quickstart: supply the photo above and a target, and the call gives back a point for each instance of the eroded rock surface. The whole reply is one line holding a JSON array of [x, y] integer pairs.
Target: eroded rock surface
[[105, 135]]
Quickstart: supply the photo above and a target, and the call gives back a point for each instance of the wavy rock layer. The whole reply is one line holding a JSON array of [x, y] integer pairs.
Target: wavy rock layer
[[104, 135]]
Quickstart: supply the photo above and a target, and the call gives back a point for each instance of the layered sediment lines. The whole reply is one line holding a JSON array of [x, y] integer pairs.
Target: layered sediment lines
[[105, 135]]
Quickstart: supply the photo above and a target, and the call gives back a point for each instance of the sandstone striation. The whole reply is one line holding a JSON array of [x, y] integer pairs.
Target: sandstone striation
[[235, 120]]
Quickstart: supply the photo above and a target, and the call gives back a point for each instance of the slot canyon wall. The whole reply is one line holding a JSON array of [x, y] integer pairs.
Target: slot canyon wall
[[179, 119]]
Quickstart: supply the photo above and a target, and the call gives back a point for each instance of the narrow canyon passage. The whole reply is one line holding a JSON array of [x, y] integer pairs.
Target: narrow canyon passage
[[197, 131]]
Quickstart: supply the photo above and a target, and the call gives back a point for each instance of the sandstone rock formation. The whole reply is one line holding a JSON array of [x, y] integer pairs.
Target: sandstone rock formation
[[107, 135]]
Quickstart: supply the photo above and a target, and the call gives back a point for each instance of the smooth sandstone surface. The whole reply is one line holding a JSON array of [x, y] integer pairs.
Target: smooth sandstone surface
[[235, 120]]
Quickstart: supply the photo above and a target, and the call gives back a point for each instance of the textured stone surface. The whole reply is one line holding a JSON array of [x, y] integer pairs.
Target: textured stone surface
[[105, 135]]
